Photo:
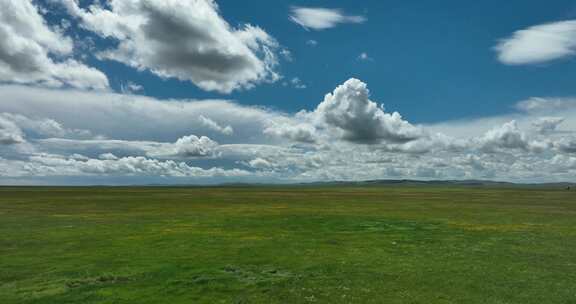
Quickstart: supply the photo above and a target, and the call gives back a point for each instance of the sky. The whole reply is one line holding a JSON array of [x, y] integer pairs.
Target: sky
[[203, 92]]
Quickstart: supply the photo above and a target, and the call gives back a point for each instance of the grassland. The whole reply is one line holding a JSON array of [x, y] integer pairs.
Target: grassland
[[287, 245]]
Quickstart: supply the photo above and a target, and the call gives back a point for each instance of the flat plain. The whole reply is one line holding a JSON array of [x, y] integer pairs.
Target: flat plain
[[291, 244]]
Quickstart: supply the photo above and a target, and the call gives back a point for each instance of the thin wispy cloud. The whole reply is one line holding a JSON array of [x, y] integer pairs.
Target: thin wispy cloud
[[318, 18], [312, 42]]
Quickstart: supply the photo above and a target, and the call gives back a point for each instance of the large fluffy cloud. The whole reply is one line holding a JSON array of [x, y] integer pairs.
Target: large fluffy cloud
[[350, 110], [507, 136], [540, 43], [183, 39], [318, 18], [347, 114], [33, 53]]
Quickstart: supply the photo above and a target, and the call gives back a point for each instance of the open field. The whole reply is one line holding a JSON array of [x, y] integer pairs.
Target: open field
[[287, 245]]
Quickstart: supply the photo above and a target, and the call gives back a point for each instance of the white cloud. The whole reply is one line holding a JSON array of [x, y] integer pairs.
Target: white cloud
[[538, 44], [298, 132], [566, 145], [187, 147], [133, 117], [55, 165], [346, 114], [259, 163], [183, 39], [297, 83], [544, 105], [130, 88], [312, 42], [546, 125], [318, 18], [364, 57], [100, 147], [43, 127], [507, 136], [286, 54], [350, 110], [28, 48], [227, 130], [107, 156], [10, 133], [528, 112]]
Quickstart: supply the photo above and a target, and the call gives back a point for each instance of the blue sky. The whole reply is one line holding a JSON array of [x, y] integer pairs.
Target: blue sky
[[431, 61], [204, 91]]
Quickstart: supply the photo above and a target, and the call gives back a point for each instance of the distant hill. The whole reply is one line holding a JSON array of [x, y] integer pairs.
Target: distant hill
[[366, 183], [410, 182]]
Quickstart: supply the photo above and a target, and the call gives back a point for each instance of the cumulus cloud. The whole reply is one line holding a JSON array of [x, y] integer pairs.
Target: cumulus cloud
[[538, 44], [187, 147], [298, 132], [56, 165], [10, 133], [318, 18], [545, 125], [563, 162], [187, 40], [346, 114], [566, 145], [259, 163], [507, 136], [107, 156], [350, 110], [28, 48]]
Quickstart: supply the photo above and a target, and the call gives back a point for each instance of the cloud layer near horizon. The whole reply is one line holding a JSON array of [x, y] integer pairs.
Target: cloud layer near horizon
[[347, 137]]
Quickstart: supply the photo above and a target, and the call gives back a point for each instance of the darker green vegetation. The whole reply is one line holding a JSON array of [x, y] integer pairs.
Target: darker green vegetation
[[325, 244]]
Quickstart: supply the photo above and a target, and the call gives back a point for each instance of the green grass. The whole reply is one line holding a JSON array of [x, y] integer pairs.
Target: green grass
[[287, 245]]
